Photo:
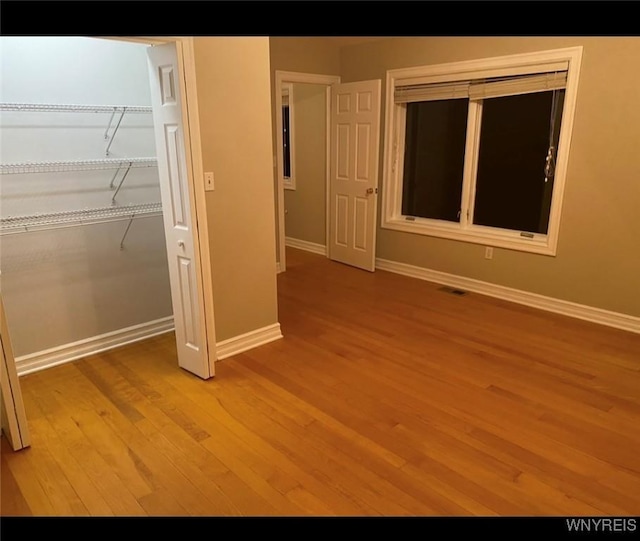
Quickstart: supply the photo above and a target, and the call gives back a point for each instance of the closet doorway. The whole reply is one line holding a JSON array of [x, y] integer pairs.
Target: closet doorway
[[31, 157]]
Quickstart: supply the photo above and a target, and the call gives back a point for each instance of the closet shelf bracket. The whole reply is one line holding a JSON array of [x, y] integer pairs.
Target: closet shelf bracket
[[113, 135], [126, 231], [106, 132], [113, 199]]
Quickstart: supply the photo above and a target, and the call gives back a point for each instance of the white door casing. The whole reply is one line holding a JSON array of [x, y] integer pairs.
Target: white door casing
[[178, 211], [355, 141]]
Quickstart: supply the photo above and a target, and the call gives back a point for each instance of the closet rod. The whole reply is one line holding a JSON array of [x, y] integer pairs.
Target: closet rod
[[76, 165], [72, 218], [70, 108]]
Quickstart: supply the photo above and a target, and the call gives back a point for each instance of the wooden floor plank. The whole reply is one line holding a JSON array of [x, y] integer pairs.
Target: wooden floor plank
[[62, 410], [13, 501], [45, 442]]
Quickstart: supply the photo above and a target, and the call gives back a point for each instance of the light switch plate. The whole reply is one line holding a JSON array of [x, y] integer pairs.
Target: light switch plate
[[208, 182]]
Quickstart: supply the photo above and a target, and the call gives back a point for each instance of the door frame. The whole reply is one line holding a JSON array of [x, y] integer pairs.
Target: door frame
[[195, 176], [310, 78], [13, 419]]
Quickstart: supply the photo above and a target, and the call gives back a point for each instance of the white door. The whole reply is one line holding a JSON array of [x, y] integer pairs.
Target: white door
[[178, 211], [14, 420], [355, 138]]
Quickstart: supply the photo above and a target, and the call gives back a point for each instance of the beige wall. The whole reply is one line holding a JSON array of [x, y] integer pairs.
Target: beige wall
[[235, 123], [303, 55], [598, 256], [305, 207]]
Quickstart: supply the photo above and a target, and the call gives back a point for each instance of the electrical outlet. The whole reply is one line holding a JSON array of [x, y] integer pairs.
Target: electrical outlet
[[208, 181], [488, 252]]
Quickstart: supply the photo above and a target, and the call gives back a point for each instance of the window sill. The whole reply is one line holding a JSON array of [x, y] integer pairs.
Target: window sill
[[478, 235], [289, 184]]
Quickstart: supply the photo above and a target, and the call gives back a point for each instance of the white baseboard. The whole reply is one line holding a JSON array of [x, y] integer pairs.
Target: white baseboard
[[89, 346], [278, 267], [580, 311], [305, 245], [250, 340]]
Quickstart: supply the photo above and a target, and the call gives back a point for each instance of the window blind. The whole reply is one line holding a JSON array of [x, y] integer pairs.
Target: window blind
[[510, 86], [488, 87]]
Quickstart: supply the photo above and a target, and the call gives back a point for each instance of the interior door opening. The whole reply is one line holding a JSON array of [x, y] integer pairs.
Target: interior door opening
[[352, 136], [304, 135], [101, 186], [313, 122]]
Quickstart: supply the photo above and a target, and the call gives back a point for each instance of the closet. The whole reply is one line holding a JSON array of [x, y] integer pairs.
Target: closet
[[82, 250]]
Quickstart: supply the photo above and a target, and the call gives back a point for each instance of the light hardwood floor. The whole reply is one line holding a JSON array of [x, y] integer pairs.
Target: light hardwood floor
[[387, 396]]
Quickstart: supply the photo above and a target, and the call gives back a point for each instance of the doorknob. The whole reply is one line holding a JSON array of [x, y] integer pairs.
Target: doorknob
[[370, 191]]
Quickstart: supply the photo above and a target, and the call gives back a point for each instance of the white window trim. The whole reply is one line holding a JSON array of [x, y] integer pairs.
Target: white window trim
[[289, 183], [392, 217]]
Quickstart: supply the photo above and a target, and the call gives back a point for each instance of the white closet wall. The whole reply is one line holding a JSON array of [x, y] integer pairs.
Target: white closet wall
[[62, 286]]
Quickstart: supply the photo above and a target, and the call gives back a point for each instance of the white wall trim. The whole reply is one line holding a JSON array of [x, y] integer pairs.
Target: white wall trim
[[250, 340], [90, 346], [567, 308], [306, 245], [278, 267]]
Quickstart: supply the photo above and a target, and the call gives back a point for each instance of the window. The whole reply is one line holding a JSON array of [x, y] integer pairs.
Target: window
[[286, 142], [289, 182], [477, 151]]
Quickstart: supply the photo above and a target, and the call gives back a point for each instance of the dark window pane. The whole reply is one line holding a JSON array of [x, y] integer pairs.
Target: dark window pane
[[434, 159], [286, 152], [511, 192]]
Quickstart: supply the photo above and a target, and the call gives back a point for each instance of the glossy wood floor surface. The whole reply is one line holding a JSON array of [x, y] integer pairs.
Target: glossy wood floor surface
[[387, 396]]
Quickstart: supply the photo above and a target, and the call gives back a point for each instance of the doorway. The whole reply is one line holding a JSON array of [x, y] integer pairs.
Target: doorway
[[352, 120], [183, 191], [307, 89], [304, 134], [69, 126]]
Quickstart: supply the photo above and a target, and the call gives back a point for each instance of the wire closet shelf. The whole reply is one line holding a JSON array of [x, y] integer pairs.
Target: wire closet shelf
[[70, 108], [75, 165], [69, 218]]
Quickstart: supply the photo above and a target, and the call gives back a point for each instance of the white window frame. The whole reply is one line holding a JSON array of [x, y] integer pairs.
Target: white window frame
[[395, 120], [289, 183]]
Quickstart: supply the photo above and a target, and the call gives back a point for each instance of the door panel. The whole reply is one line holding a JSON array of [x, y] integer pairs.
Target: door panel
[[355, 137], [178, 212], [360, 223]]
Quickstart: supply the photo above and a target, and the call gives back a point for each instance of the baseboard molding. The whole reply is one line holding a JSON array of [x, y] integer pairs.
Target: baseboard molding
[[47, 358], [567, 308], [250, 340], [278, 267], [305, 245]]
